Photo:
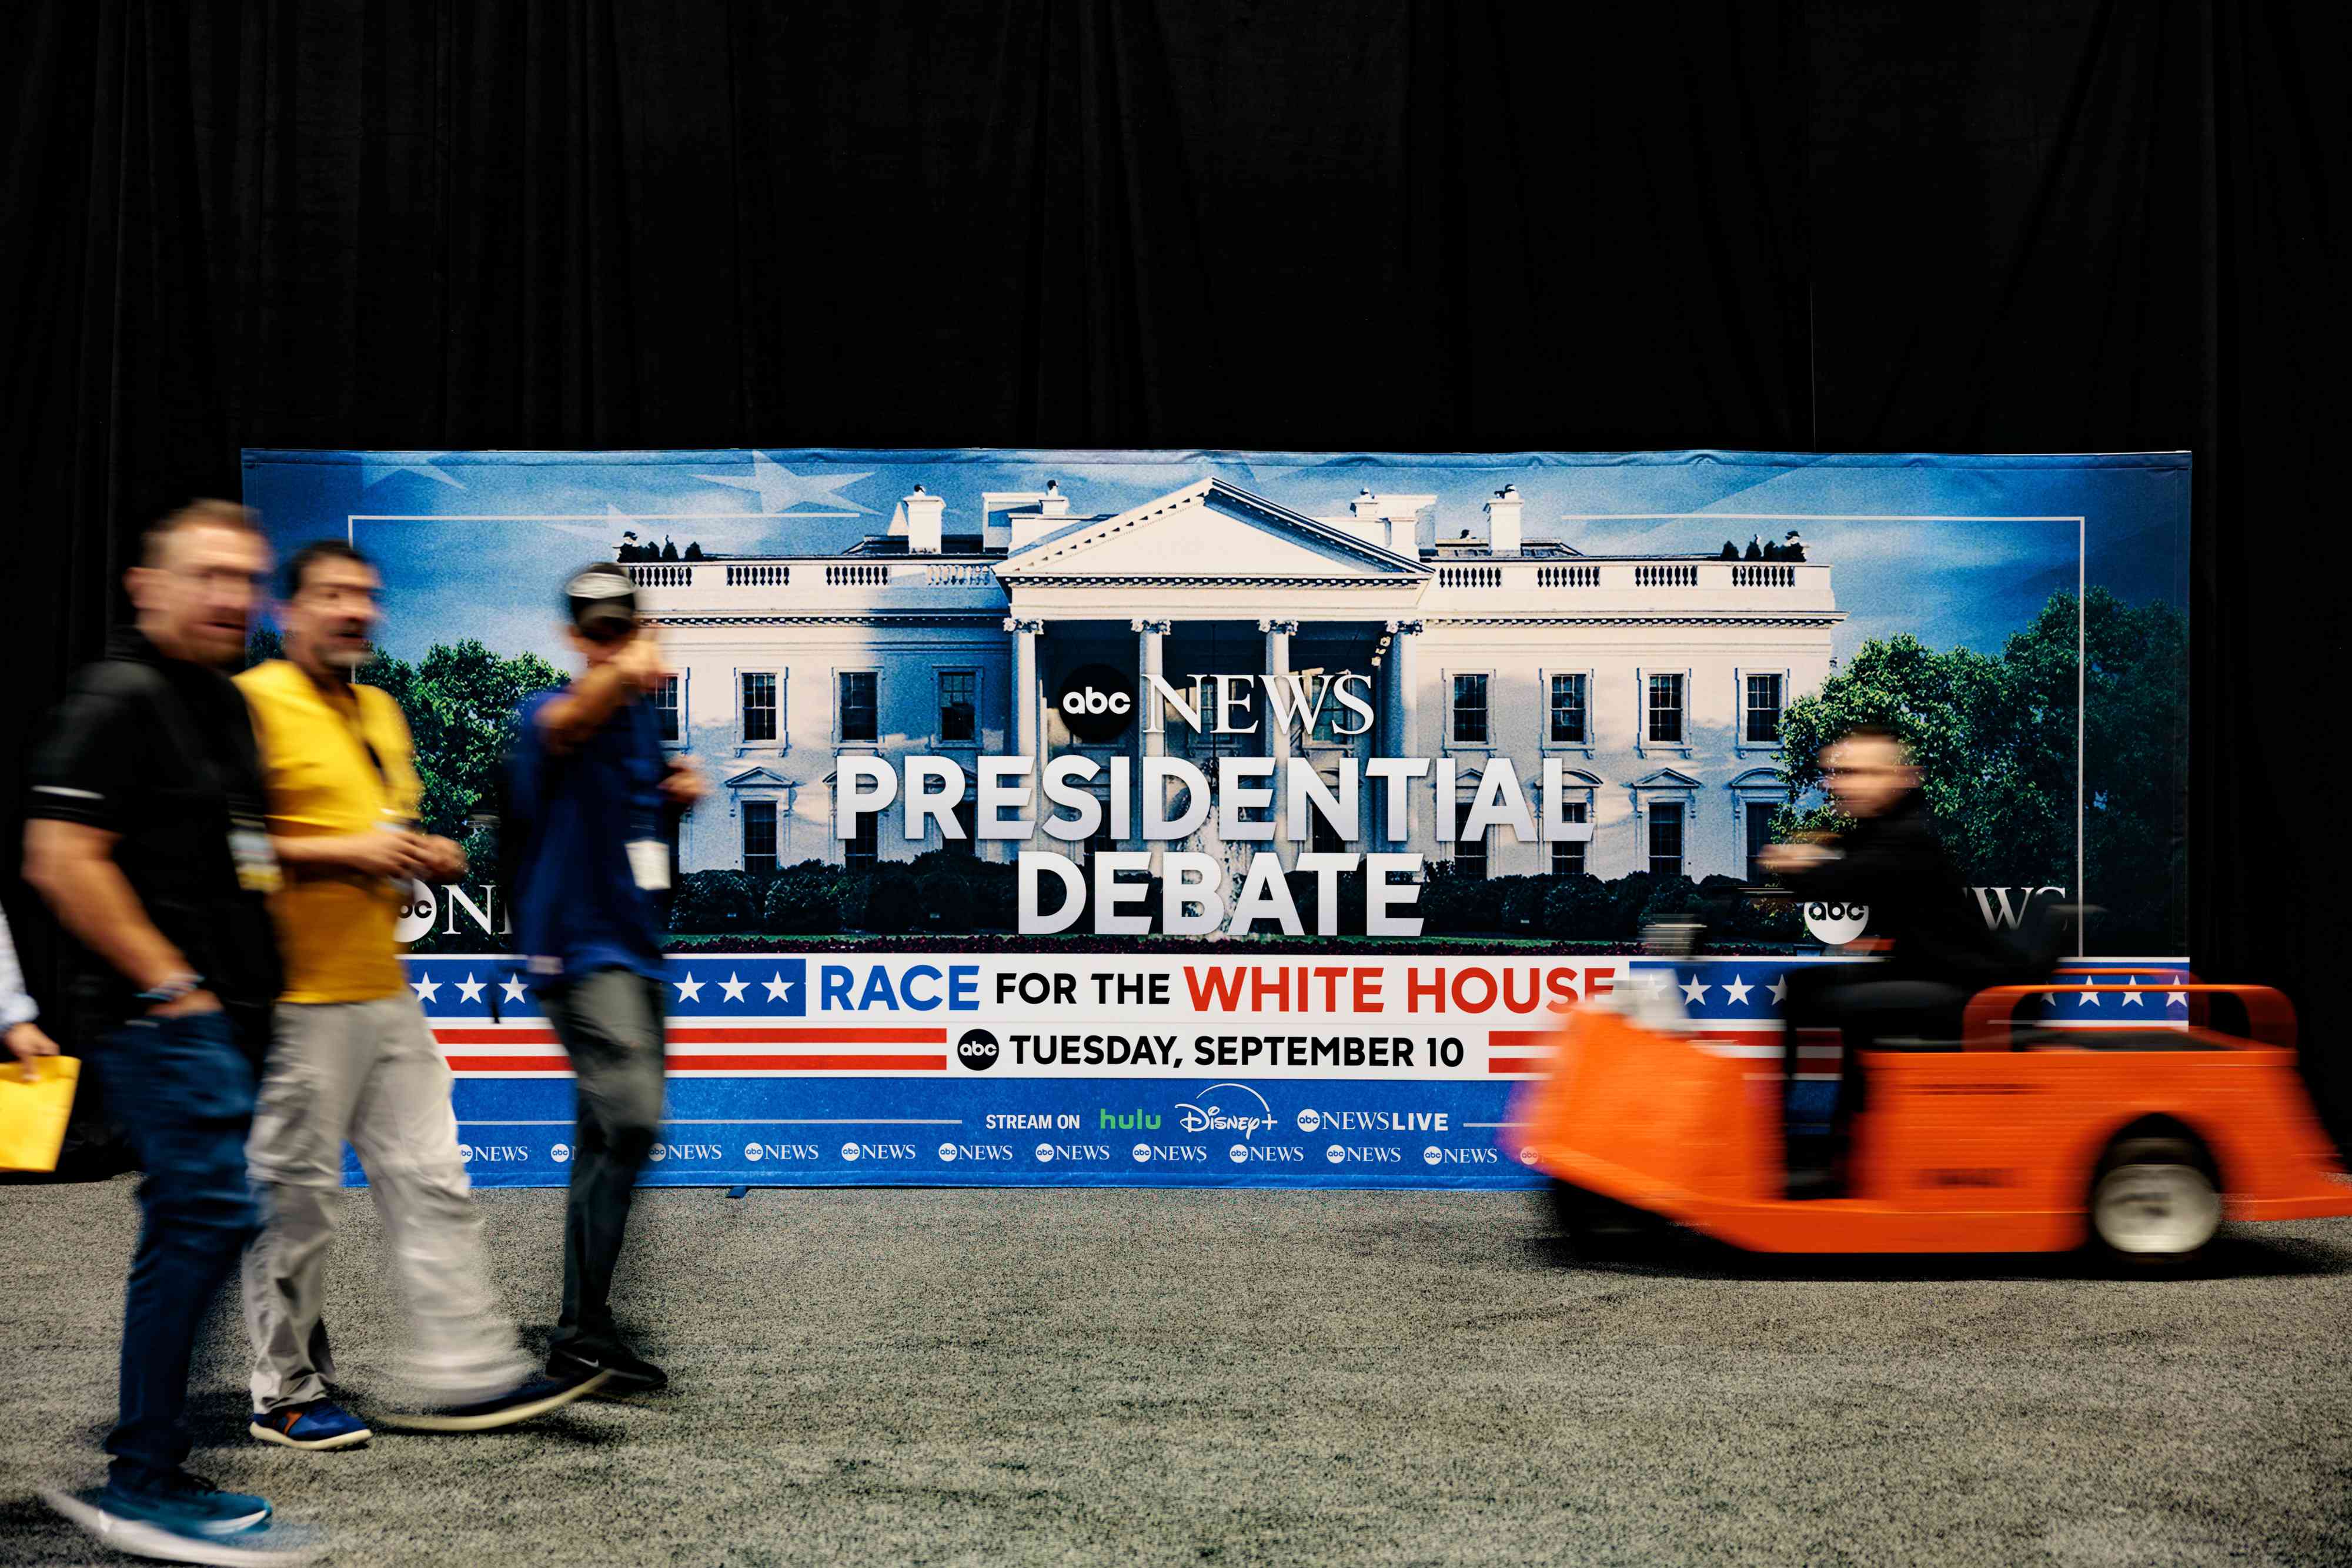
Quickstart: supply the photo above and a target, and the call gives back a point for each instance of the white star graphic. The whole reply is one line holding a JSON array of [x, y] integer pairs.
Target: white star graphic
[[733, 986], [427, 991], [778, 991], [688, 989], [2088, 999], [780, 489], [378, 467], [2176, 999], [1696, 990], [1737, 990], [2132, 999], [470, 989], [512, 987], [1780, 990]]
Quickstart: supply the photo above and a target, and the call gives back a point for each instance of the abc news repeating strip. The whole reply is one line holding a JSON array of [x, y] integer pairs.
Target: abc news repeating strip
[[1216, 1134], [824, 1069]]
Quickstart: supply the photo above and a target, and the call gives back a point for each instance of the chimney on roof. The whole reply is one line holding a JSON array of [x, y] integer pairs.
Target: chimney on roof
[[923, 512], [1053, 504], [1366, 504], [1502, 521]]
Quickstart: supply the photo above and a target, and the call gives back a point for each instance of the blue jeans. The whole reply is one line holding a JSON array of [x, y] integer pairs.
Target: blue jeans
[[182, 1089]]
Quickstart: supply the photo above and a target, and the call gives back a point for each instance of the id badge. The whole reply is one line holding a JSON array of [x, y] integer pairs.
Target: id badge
[[257, 863], [649, 863]]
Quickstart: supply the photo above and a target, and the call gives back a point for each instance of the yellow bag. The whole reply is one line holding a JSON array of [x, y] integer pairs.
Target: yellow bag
[[32, 1115]]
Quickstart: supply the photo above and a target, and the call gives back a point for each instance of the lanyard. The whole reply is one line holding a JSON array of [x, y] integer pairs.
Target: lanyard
[[358, 732]]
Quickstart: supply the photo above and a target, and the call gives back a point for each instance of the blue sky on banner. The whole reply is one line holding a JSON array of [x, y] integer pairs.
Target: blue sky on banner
[[460, 559]]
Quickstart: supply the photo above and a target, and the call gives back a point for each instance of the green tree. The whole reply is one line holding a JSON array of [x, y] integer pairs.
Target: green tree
[[460, 702], [1996, 742]]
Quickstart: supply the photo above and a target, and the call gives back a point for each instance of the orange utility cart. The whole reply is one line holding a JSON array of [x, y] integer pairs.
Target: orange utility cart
[[2013, 1139]]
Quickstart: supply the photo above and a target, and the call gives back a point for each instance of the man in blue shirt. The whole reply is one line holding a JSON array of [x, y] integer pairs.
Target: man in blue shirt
[[590, 791]]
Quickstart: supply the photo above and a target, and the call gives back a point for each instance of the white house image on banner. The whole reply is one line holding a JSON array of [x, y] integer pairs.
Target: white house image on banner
[[1656, 681]]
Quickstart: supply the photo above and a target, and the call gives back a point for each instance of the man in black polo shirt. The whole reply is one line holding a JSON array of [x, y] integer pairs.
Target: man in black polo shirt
[[147, 836], [1939, 950]]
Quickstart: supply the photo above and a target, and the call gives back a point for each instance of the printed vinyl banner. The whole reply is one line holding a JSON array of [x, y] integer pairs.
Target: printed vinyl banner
[[1245, 818]]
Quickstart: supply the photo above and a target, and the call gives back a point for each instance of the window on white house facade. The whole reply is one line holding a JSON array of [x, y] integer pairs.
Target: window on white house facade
[[1666, 710], [758, 835], [1763, 725], [862, 851], [859, 717], [958, 705], [1568, 715], [1470, 855], [1759, 814], [1470, 710], [664, 701], [1665, 838], [1568, 855], [760, 706]]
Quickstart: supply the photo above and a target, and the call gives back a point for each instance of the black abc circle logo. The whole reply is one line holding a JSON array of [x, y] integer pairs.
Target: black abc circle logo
[[1096, 703], [977, 1050]]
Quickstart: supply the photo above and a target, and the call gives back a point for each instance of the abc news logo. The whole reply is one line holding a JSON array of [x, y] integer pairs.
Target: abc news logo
[[1090, 701], [978, 1049], [797, 1153], [1097, 702], [855, 1152], [1834, 922], [986, 1154]]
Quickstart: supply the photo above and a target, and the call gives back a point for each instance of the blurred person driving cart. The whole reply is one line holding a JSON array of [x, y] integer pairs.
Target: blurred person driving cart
[[1934, 950]]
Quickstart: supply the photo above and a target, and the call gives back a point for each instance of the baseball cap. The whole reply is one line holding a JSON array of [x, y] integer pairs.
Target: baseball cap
[[602, 600]]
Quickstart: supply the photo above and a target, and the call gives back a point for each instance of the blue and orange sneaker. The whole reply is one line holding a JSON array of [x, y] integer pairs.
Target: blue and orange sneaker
[[320, 1424], [185, 1519]]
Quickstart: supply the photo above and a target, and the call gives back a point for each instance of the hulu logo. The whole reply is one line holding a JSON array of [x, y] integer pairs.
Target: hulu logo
[[1133, 1122]]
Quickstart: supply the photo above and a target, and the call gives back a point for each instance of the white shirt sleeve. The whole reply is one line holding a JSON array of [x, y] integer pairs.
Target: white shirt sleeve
[[16, 1006]]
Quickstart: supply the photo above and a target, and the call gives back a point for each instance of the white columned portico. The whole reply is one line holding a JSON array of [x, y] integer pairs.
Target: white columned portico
[[1027, 701], [1151, 737], [1277, 733], [1403, 738]]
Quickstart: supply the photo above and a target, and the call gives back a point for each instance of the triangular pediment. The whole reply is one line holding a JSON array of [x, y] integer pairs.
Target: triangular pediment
[[759, 779], [1667, 778], [1210, 530]]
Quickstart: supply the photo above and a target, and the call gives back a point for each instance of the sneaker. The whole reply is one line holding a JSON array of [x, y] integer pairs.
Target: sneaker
[[320, 1424], [523, 1402], [629, 1373], [188, 1519]]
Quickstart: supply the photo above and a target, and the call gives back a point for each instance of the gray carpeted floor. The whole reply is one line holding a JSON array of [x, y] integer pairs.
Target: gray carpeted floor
[[974, 1378]]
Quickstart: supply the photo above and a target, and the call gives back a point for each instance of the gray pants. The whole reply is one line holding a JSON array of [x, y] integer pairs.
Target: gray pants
[[610, 1021], [369, 1073]]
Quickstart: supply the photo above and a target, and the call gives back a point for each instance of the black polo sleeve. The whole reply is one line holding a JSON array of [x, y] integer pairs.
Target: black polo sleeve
[[87, 767]]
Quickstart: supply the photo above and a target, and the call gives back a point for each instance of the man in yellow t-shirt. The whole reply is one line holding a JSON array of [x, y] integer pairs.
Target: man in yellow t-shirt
[[351, 1056]]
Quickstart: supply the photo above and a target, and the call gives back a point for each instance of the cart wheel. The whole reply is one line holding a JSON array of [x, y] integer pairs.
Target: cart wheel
[[2155, 1201], [1597, 1227]]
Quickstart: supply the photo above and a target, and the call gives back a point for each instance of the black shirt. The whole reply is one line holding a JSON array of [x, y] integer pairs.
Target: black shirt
[[160, 753], [1895, 864]]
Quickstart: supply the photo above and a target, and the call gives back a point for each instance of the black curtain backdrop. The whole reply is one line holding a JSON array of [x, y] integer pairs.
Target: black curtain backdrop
[[1419, 225]]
